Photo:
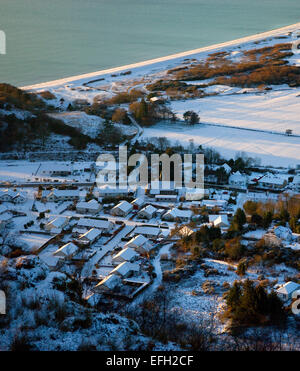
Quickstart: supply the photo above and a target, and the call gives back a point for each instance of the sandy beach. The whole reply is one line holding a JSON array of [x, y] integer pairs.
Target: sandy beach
[[86, 77]]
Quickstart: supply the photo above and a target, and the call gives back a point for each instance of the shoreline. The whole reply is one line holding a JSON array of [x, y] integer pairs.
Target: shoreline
[[189, 53]]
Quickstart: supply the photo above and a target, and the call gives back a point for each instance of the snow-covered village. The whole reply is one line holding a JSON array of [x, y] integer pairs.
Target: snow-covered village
[[89, 266]]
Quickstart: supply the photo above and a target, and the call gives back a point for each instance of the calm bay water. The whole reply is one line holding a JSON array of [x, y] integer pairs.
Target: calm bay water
[[51, 39]]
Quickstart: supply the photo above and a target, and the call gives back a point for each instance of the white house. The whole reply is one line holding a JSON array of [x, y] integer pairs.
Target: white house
[[63, 195], [104, 225], [147, 212], [125, 269], [57, 223], [177, 214], [89, 237], [90, 207], [140, 243], [109, 283], [237, 179], [220, 221], [122, 209], [286, 291], [126, 254], [67, 251]]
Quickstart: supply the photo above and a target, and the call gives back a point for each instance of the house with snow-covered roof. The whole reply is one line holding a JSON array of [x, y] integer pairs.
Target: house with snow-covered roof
[[286, 291], [149, 232], [238, 180], [271, 181], [57, 223], [127, 254], [211, 204], [67, 251], [109, 283], [8, 195], [122, 209], [148, 212], [227, 168], [138, 203], [90, 207], [104, 225], [56, 169], [220, 221], [126, 269], [89, 237], [141, 244], [63, 195], [176, 214]]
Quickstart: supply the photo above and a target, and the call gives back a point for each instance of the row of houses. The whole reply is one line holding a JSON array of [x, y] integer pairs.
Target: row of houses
[[267, 181]]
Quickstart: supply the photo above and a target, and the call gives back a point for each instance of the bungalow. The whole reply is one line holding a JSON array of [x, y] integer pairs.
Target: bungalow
[[126, 254], [137, 203], [104, 225], [238, 180], [57, 223], [149, 232], [125, 269], [67, 251], [89, 237], [63, 195], [90, 207], [109, 283], [122, 209], [140, 243], [178, 215], [147, 212], [286, 291]]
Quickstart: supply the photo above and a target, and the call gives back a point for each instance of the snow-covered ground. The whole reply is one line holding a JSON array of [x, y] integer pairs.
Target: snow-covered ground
[[272, 149], [273, 111]]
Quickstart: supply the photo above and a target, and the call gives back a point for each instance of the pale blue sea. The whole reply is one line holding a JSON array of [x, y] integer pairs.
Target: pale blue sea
[[51, 39]]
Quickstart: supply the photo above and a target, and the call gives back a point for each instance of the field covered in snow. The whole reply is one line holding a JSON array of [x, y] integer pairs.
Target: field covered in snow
[[272, 149]]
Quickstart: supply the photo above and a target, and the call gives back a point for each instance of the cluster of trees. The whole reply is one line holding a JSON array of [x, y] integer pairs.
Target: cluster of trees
[[191, 118], [12, 96], [146, 113], [248, 304], [284, 211]]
